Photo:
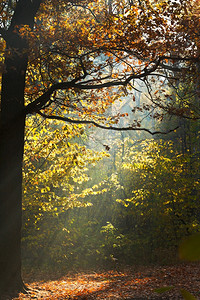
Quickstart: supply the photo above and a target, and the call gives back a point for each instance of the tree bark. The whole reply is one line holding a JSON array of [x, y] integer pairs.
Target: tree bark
[[12, 124]]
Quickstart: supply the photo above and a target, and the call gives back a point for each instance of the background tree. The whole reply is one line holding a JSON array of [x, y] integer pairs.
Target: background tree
[[55, 177]]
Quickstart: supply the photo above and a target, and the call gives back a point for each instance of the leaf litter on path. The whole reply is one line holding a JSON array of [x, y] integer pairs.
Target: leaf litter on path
[[128, 284]]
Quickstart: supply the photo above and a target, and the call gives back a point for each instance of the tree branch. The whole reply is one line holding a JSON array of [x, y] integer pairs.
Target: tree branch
[[75, 121], [40, 102], [3, 33], [180, 58], [25, 12]]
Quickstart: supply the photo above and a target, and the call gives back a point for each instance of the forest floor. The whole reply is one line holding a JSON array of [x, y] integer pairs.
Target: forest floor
[[130, 283]]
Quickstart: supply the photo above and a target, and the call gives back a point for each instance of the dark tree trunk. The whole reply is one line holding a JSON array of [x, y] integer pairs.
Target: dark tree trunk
[[12, 123]]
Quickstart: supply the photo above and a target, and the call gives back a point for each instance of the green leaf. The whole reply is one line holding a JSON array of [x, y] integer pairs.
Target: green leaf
[[186, 295], [163, 289], [189, 249]]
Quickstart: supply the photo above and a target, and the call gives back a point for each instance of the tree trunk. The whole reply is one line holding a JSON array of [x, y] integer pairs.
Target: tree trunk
[[12, 122]]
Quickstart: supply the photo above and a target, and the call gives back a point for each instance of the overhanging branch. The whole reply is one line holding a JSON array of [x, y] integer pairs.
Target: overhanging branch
[[75, 121], [41, 101]]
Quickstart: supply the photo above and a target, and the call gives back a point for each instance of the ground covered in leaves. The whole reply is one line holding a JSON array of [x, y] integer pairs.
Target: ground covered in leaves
[[131, 283]]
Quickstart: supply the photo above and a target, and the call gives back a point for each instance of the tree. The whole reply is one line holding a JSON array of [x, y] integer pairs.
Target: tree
[[60, 59], [55, 176], [12, 141]]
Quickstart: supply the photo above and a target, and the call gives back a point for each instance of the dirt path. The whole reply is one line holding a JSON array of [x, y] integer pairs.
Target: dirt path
[[128, 284]]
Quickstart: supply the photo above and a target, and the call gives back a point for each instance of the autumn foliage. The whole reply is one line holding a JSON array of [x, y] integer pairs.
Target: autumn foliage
[[67, 67]]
